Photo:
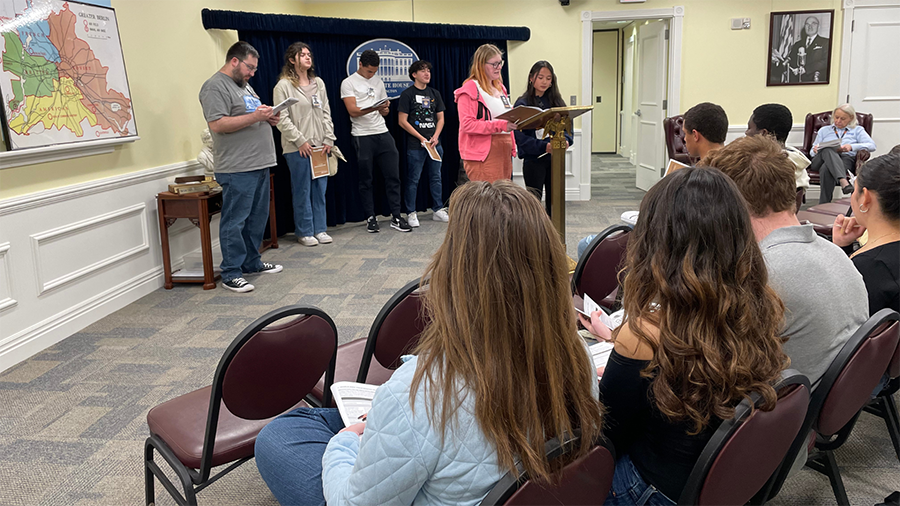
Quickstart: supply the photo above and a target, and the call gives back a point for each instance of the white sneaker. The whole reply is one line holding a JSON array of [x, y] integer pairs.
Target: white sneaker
[[412, 219], [441, 215], [323, 238], [308, 241], [239, 285]]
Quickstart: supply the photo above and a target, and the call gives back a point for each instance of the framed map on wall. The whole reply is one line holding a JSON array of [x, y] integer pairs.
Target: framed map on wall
[[63, 77]]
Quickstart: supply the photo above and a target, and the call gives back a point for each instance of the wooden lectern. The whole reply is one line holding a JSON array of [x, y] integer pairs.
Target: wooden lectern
[[556, 121]]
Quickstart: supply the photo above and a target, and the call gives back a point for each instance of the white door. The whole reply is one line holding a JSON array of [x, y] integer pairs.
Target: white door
[[874, 85], [651, 83]]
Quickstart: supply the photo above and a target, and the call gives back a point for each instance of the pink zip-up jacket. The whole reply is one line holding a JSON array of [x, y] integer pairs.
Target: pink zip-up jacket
[[475, 123]]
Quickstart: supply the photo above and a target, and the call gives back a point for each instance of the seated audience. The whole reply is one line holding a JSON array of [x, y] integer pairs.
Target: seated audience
[[705, 128], [776, 120], [499, 369], [701, 333], [805, 270], [876, 207], [833, 163]]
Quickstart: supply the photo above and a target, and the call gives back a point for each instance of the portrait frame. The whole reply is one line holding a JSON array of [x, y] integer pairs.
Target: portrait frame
[[800, 47]]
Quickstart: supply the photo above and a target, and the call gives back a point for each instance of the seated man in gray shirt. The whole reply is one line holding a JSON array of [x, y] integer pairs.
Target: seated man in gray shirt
[[824, 297]]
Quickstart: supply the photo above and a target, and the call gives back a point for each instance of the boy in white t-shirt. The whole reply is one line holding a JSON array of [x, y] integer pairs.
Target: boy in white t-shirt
[[363, 94]]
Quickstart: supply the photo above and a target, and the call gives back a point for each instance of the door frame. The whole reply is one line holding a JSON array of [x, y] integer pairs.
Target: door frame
[[673, 89], [618, 86]]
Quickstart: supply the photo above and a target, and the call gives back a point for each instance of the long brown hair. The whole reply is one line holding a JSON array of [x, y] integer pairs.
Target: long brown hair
[[695, 272], [288, 72], [501, 323], [484, 53]]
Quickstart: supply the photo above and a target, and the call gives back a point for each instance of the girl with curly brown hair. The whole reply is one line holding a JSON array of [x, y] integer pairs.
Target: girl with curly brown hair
[[701, 333]]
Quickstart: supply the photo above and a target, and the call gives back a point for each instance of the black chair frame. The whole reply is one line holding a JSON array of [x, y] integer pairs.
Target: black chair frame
[[582, 262], [824, 462], [372, 339], [195, 480], [509, 483], [885, 407], [694, 486]]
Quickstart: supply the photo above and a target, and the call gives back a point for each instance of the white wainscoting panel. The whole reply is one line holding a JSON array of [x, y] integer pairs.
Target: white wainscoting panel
[[72, 255], [6, 292], [102, 241]]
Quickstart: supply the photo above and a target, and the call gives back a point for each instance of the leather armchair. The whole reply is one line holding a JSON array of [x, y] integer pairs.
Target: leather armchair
[[816, 121], [674, 131]]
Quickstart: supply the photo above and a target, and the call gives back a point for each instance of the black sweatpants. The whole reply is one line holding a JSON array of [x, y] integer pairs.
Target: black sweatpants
[[537, 176], [380, 150]]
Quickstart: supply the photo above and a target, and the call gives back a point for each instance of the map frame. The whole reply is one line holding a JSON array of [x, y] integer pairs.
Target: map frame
[[100, 109]]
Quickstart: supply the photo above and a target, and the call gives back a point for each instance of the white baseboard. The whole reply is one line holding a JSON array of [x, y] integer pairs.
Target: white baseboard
[[72, 255]]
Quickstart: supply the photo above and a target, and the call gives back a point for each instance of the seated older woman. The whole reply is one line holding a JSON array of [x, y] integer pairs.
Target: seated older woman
[[833, 163]]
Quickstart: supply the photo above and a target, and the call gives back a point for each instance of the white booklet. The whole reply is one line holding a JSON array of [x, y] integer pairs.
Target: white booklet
[[833, 143], [353, 400], [588, 306], [284, 105]]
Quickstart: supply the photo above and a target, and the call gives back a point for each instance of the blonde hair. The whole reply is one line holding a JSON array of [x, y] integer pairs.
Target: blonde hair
[[848, 110], [479, 60], [501, 323]]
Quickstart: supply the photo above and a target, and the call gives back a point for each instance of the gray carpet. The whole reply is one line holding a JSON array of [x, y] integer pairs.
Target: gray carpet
[[72, 418]]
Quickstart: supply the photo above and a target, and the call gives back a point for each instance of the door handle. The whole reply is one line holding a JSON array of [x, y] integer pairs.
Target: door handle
[[637, 113]]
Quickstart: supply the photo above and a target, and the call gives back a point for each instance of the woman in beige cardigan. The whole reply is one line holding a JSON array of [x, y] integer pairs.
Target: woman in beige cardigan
[[306, 126]]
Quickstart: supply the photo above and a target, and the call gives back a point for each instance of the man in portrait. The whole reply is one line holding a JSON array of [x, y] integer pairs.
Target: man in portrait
[[809, 55]]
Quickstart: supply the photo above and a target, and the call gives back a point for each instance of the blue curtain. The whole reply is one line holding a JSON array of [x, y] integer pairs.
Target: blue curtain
[[448, 47]]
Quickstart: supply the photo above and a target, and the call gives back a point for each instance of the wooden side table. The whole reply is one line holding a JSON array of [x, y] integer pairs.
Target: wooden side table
[[199, 209], [272, 241]]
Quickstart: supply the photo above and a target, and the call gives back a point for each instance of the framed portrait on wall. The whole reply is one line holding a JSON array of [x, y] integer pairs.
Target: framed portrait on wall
[[800, 47]]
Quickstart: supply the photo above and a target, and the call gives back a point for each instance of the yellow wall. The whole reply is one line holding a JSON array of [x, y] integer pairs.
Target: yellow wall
[[168, 56]]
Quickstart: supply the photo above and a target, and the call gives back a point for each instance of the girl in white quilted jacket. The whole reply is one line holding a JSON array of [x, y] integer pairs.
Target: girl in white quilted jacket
[[498, 370]]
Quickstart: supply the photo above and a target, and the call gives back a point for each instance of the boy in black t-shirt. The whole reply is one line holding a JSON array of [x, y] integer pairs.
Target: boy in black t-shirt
[[422, 116]]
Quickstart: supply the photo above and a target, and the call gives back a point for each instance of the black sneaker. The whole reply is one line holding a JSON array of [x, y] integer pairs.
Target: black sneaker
[[270, 268], [399, 223], [372, 226], [239, 285]]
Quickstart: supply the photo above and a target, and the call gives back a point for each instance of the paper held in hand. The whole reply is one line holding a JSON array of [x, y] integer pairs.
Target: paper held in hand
[[586, 306], [284, 105], [384, 101], [833, 143], [432, 151], [319, 161], [673, 166], [353, 400]]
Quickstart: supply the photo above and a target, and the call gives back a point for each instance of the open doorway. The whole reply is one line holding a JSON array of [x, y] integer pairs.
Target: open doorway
[[635, 60]]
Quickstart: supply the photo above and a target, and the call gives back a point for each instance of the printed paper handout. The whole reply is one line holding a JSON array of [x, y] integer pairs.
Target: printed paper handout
[[353, 400]]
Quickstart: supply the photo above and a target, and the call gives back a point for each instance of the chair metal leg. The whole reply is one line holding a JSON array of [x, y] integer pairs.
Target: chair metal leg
[[892, 419], [825, 463], [149, 493], [190, 494]]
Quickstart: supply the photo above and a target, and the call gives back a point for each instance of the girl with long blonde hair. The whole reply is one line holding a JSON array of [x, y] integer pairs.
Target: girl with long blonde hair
[[498, 370], [486, 145]]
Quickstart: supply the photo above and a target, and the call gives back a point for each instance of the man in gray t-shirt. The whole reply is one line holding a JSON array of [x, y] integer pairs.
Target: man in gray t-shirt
[[243, 149], [824, 296]]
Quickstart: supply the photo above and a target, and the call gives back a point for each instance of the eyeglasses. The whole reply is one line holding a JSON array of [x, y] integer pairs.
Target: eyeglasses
[[496, 65], [251, 68]]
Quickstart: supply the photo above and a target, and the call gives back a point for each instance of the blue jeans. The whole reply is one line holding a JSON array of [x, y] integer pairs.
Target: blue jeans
[[289, 453], [415, 159], [584, 243], [629, 488], [308, 196], [245, 210]]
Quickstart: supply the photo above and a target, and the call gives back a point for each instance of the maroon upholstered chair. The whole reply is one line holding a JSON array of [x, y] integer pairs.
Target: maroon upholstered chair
[[597, 271], [884, 406], [746, 449], [675, 146], [266, 371], [838, 400], [394, 332], [584, 481], [816, 121], [822, 215]]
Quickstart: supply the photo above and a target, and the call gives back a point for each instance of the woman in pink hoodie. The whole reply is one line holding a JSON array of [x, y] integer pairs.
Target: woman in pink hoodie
[[486, 145]]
